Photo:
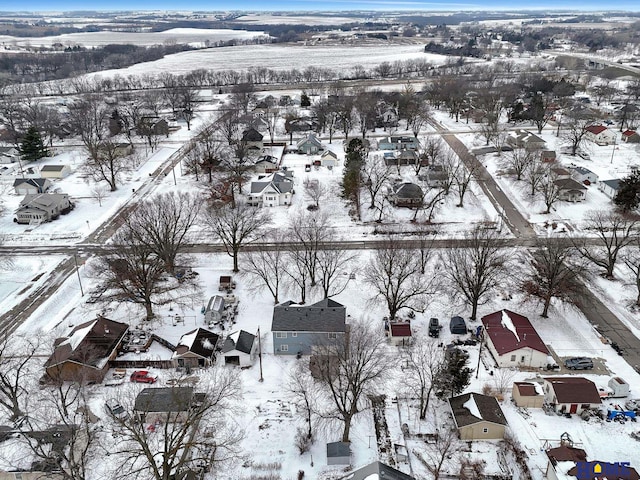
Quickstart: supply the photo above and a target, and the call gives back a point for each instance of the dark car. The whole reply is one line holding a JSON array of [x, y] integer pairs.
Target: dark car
[[578, 363], [457, 326], [434, 327]]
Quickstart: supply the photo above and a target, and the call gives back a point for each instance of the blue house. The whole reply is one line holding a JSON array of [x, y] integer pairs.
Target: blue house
[[398, 143], [297, 328]]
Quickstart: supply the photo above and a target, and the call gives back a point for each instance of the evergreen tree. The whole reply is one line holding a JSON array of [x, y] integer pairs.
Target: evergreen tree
[[304, 100], [32, 146], [628, 196], [455, 375], [356, 155]]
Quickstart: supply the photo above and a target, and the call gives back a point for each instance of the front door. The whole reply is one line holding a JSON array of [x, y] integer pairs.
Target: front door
[[573, 408]]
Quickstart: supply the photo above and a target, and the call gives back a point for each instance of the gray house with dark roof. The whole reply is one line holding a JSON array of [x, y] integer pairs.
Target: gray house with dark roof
[[166, 404], [271, 191], [610, 187], [406, 195], [297, 328], [239, 348], [31, 186], [377, 470]]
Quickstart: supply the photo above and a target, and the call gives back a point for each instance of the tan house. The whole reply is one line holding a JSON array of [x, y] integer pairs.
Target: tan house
[[571, 394], [196, 348], [329, 159], [512, 340], [55, 171], [527, 394], [83, 355], [42, 207], [478, 417]]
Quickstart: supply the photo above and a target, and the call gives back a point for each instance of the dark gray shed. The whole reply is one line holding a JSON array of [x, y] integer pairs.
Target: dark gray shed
[[338, 453]]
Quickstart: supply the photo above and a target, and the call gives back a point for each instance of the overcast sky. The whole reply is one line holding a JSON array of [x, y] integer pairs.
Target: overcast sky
[[305, 5]]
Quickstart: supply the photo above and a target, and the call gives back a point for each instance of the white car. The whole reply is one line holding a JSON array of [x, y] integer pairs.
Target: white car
[[115, 409]]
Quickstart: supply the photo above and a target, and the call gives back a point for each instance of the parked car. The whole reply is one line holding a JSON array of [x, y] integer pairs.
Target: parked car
[[115, 409], [143, 376], [434, 327], [457, 326], [578, 363]]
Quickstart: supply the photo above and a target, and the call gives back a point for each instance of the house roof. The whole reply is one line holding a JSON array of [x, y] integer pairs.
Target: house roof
[[509, 331], [596, 129], [629, 133], [36, 182], [277, 181], [527, 389], [241, 341], [569, 184], [311, 138], [338, 449], [200, 341], [90, 343], [400, 329], [472, 408], [324, 316], [43, 199], [574, 390], [328, 153], [614, 183], [164, 399], [524, 136], [252, 135], [565, 453], [582, 170], [378, 471], [408, 190], [53, 168]]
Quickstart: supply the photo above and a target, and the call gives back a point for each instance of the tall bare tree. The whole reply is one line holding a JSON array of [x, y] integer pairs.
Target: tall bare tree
[[631, 258], [475, 269], [518, 161], [162, 224], [553, 271], [444, 452], [548, 189], [349, 371], [375, 175], [423, 359], [315, 190], [333, 268], [575, 127], [614, 231], [304, 392], [266, 266], [236, 226], [394, 276], [16, 357], [197, 431]]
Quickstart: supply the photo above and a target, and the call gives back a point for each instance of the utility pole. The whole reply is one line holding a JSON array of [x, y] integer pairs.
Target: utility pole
[[260, 355], [75, 260]]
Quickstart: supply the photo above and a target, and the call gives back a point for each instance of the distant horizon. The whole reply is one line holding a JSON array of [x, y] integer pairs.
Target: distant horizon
[[41, 7]]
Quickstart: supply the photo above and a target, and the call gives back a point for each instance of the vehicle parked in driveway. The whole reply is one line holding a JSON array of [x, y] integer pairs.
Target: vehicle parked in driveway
[[434, 327], [578, 363], [143, 376], [115, 409]]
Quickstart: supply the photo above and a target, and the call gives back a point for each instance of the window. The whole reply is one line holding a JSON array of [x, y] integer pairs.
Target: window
[[332, 335], [485, 430], [522, 359], [294, 334], [284, 348], [513, 358], [281, 334]]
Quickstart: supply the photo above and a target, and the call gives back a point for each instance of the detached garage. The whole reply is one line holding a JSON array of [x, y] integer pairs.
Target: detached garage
[[239, 349]]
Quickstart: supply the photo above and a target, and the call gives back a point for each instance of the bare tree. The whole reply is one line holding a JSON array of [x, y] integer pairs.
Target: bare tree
[[503, 379], [197, 430], [88, 117], [518, 161], [333, 268], [99, 193], [553, 271], [423, 362], [236, 226], [394, 276], [315, 191], [614, 231], [162, 224], [443, 452], [16, 355], [309, 230], [304, 393], [474, 270], [631, 259], [132, 272], [534, 174], [375, 175], [548, 189], [462, 177], [349, 371], [242, 95], [267, 266], [575, 128], [297, 271]]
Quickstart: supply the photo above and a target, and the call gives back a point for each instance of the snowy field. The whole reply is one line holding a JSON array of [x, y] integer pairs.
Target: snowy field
[[193, 36], [279, 57]]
